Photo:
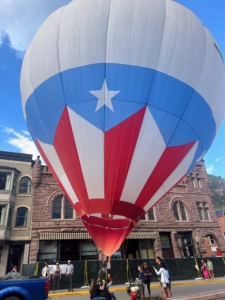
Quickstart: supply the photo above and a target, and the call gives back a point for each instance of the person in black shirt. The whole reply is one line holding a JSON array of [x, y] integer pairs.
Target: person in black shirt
[[147, 277], [94, 290], [141, 278]]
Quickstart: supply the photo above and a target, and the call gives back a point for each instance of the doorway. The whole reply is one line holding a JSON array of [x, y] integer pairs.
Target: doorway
[[15, 257]]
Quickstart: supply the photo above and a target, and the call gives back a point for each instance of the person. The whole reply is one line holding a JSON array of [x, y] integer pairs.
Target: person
[[204, 270], [141, 278], [56, 277], [69, 274], [147, 277], [210, 268], [14, 269], [164, 278], [109, 296], [94, 290], [45, 271], [158, 260]]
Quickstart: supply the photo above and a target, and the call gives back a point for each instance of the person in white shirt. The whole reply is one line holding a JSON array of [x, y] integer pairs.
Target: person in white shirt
[[45, 271], [164, 280], [69, 273]]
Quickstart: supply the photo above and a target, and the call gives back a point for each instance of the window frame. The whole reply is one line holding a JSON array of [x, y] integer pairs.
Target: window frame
[[63, 208], [203, 211], [20, 217], [28, 186], [179, 211], [9, 182]]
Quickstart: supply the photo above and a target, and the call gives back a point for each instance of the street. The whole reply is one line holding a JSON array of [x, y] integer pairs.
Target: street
[[177, 291]]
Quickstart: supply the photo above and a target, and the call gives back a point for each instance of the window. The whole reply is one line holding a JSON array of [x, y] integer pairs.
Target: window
[[224, 234], [203, 211], [25, 185], [179, 211], [21, 217], [199, 183], [5, 181], [2, 215], [56, 208], [143, 218], [193, 182], [211, 239], [61, 208], [68, 209], [151, 214]]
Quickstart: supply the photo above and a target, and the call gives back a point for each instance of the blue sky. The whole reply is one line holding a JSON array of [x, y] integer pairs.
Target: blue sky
[[19, 21]]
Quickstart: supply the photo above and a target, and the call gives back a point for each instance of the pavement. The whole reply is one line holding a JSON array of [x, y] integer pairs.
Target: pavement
[[122, 288]]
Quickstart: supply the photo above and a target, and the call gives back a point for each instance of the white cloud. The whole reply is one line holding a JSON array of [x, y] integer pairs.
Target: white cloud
[[20, 19], [219, 158], [21, 141], [210, 169]]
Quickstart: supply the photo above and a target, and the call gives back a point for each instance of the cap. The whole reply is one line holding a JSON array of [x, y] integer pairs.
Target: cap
[[69, 260], [57, 263], [46, 263]]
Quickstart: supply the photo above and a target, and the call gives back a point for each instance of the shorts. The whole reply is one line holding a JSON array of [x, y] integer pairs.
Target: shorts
[[168, 285]]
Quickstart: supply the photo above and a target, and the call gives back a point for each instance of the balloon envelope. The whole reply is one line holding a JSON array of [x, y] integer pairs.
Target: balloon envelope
[[122, 99]]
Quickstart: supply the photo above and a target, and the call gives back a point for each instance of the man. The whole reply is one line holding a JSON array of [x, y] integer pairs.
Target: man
[[45, 271], [69, 273], [210, 268]]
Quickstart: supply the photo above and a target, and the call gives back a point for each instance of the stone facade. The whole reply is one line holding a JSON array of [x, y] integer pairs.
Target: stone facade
[[16, 197], [177, 226]]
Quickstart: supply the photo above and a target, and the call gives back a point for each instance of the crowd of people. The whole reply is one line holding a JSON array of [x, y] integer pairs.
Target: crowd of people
[[56, 276], [100, 290], [162, 271]]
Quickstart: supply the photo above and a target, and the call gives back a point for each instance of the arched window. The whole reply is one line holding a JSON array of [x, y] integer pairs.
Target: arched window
[[21, 217], [57, 208], [25, 185], [61, 208], [179, 211]]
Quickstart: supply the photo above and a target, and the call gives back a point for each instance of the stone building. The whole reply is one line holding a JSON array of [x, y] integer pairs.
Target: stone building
[[15, 209], [176, 227]]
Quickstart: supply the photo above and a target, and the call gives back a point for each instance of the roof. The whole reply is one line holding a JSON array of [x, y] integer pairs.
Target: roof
[[16, 156]]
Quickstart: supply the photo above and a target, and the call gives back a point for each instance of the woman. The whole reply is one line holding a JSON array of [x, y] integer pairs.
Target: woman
[[164, 280], [94, 290], [147, 277], [56, 278], [204, 270], [141, 278]]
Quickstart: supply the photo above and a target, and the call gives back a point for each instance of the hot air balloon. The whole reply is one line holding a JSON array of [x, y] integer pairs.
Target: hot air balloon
[[122, 99]]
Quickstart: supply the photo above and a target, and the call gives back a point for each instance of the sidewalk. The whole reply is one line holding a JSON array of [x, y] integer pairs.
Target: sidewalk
[[122, 287]]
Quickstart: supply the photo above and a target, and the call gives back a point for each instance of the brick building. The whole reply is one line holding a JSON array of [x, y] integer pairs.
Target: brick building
[[177, 226], [16, 197]]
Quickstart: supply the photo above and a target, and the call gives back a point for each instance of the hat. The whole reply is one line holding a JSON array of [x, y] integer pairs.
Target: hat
[[69, 260], [46, 263], [57, 263]]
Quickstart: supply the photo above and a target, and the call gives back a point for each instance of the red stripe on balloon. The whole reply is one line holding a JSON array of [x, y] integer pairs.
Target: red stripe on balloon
[[108, 239], [119, 145], [49, 165], [168, 162], [66, 149]]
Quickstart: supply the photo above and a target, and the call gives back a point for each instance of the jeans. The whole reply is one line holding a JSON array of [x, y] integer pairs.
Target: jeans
[[56, 282], [112, 296], [99, 298], [69, 281]]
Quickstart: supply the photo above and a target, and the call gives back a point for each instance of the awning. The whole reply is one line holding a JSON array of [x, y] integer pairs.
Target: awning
[[86, 235]]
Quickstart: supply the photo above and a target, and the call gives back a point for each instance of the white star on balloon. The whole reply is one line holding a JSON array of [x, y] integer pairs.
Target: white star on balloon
[[104, 97]]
